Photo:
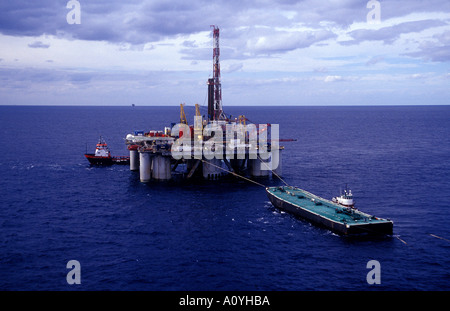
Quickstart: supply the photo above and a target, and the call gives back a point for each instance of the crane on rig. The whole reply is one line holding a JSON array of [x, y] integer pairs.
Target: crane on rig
[[183, 119]]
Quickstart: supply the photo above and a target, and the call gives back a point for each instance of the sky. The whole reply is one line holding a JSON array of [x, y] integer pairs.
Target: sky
[[273, 53]]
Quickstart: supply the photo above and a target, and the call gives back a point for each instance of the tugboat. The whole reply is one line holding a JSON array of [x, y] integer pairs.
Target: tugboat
[[102, 155], [343, 220]]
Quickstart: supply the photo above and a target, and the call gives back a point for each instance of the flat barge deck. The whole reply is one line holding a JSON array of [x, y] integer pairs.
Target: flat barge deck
[[335, 217]]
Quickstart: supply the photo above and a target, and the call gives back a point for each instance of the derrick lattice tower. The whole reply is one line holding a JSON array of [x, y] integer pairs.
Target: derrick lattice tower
[[215, 111]]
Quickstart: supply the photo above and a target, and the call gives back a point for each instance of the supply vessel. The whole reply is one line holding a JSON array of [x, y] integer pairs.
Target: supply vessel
[[340, 218], [102, 155]]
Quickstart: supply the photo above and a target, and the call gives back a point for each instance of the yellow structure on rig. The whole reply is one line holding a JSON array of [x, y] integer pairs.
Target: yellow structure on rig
[[183, 119]]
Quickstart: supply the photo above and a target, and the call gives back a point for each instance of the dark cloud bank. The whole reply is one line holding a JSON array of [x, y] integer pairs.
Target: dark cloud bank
[[138, 22]]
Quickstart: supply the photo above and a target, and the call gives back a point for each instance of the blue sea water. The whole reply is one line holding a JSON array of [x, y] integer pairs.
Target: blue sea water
[[222, 235]]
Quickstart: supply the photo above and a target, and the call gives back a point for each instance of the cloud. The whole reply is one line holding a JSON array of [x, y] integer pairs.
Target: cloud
[[418, 76], [398, 8], [80, 78], [146, 48], [333, 79], [256, 41], [140, 21], [274, 42], [390, 34], [321, 69], [233, 68], [38, 45], [435, 51], [190, 44], [31, 18], [103, 20], [374, 60]]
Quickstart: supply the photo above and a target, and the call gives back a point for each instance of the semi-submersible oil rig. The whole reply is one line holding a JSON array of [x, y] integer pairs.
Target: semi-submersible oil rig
[[210, 148]]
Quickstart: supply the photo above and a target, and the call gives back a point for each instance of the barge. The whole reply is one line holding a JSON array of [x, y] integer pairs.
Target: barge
[[338, 218]]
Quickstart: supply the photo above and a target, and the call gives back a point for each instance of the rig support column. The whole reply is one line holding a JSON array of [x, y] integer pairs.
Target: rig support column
[[161, 168], [134, 160], [257, 168], [237, 164], [212, 171], [276, 156], [145, 166]]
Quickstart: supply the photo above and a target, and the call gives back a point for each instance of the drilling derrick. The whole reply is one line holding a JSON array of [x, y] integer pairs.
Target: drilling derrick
[[215, 89]]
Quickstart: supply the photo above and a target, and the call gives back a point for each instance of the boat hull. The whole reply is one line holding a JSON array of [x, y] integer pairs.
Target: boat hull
[[96, 160], [121, 160], [378, 228]]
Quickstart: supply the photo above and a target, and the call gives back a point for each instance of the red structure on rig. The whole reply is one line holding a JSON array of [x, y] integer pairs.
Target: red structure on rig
[[215, 111]]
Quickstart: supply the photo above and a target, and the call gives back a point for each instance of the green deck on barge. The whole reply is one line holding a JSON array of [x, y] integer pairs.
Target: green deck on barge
[[323, 207]]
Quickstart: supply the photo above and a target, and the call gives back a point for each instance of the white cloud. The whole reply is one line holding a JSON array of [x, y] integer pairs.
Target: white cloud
[[333, 78], [38, 45]]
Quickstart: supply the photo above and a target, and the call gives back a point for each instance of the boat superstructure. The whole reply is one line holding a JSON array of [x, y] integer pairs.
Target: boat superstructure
[[102, 150], [345, 199]]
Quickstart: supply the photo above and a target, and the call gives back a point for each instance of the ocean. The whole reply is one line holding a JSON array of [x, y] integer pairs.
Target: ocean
[[223, 235]]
